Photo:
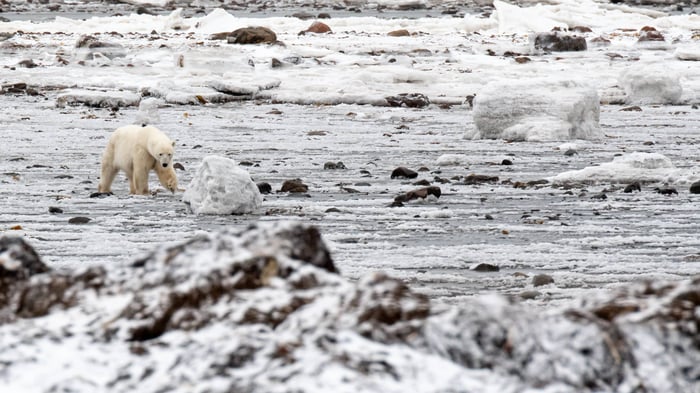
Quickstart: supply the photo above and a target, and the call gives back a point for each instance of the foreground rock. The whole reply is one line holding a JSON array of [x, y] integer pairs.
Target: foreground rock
[[557, 42], [220, 186], [240, 311], [536, 110], [251, 35]]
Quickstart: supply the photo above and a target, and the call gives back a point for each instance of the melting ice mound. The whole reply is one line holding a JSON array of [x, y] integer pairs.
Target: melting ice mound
[[220, 186], [651, 85], [641, 167], [536, 110], [242, 311]]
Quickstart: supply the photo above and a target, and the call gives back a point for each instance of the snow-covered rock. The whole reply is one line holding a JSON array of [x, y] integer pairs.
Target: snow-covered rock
[[536, 110], [98, 99], [148, 111], [220, 186], [690, 53], [451, 160], [628, 168], [241, 311], [651, 85]]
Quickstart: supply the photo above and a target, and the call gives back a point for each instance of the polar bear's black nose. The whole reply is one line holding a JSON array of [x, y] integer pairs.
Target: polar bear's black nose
[[165, 165]]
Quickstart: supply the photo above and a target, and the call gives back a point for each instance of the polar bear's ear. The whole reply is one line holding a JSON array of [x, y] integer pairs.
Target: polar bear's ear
[[173, 143]]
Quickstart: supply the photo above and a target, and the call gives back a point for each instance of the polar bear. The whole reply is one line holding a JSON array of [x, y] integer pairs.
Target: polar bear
[[137, 150]]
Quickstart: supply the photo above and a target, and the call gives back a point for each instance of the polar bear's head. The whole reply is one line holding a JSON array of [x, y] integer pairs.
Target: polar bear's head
[[163, 153]]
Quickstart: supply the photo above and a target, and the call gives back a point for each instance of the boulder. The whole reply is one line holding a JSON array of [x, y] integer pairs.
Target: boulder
[[220, 186], [317, 28], [695, 187], [408, 100], [536, 110], [252, 35], [557, 42]]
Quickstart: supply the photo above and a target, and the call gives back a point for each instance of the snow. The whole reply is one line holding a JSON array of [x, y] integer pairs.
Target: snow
[[689, 53], [536, 110], [651, 84], [220, 186], [628, 168]]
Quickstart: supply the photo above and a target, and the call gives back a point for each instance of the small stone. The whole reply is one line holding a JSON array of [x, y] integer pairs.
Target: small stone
[[421, 182], [55, 210], [408, 100], [473, 178], [695, 187], [542, 279], [100, 194], [323, 15], [556, 42], [648, 143], [178, 166], [332, 210], [317, 28], [16, 228], [570, 152], [522, 59], [403, 172], [27, 63], [264, 188], [303, 15], [506, 162], [581, 29], [636, 186], [79, 220], [505, 232], [334, 165], [294, 186], [485, 267], [399, 33], [252, 35], [600, 196], [666, 191], [275, 63], [529, 295], [634, 108], [488, 217], [419, 193]]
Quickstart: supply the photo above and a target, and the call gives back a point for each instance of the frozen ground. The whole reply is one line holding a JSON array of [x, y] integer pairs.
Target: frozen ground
[[280, 125], [51, 158]]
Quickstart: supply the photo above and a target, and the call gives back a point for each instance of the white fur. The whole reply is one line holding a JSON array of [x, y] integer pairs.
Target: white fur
[[137, 150]]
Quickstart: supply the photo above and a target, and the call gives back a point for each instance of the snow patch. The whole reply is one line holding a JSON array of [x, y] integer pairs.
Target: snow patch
[[98, 99], [536, 110], [641, 167], [451, 160], [691, 53], [221, 187]]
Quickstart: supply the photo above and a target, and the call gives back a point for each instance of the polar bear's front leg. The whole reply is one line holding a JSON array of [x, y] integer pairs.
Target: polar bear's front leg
[[139, 177], [108, 171], [167, 177]]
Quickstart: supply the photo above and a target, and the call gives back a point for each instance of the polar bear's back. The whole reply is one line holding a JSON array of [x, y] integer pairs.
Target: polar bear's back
[[128, 140]]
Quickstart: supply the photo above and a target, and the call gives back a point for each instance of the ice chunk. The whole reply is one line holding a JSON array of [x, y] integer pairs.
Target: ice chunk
[[513, 19], [220, 186], [148, 111], [641, 167], [451, 160], [690, 53], [651, 85], [98, 99], [536, 110]]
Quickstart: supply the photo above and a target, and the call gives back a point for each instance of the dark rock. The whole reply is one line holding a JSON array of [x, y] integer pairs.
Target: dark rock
[[246, 163], [349, 190], [485, 267], [506, 162], [93, 45], [555, 42], [324, 15], [294, 186], [29, 63], [529, 295], [303, 15], [600, 196], [275, 63], [650, 34], [317, 28], [19, 262], [634, 108], [421, 182], [399, 33], [488, 217], [178, 166], [408, 100], [570, 152], [100, 194], [14, 88], [666, 191], [252, 35], [334, 165], [144, 11], [581, 29], [333, 210], [79, 220], [421, 193], [636, 186], [522, 59], [648, 143], [542, 279], [264, 188], [403, 172], [600, 41], [55, 210], [473, 178], [386, 308], [695, 188]]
